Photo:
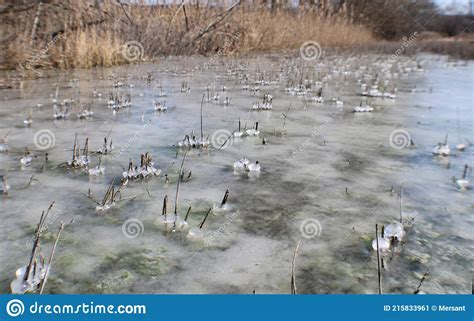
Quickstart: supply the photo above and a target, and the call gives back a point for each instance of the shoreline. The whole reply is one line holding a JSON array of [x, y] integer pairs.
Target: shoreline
[[462, 49]]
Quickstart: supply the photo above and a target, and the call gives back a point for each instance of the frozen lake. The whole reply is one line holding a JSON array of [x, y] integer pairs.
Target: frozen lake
[[322, 165]]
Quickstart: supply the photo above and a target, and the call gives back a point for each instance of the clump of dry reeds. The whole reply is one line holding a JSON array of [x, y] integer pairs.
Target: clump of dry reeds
[[67, 34]]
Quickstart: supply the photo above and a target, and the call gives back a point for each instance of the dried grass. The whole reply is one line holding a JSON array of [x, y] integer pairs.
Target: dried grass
[[72, 34]]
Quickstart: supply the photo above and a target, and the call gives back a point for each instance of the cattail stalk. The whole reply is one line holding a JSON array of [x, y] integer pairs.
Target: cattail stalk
[[187, 214], [379, 271], [74, 149], [205, 218], [465, 171], [202, 102], [86, 148], [226, 196], [165, 206], [177, 186], [423, 278]]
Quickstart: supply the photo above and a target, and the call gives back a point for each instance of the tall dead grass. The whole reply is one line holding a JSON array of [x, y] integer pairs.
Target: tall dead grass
[[77, 34], [282, 30]]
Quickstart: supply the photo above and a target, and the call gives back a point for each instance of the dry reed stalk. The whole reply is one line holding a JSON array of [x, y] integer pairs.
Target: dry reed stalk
[[45, 278], [185, 17], [401, 204], [178, 185], [74, 156], [379, 271], [107, 194], [125, 12], [216, 21], [32, 179], [293, 269], [464, 173], [35, 22], [226, 196], [112, 195], [187, 214], [172, 19], [285, 116], [202, 102], [205, 218], [86, 148], [423, 278], [38, 232], [35, 246], [165, 206]]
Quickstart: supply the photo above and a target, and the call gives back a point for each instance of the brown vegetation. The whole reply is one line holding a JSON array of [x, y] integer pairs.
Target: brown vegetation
[[83, 34], [70, 33]]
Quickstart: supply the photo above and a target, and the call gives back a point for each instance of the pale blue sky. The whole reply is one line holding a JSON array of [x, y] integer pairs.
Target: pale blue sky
[[454, 6]]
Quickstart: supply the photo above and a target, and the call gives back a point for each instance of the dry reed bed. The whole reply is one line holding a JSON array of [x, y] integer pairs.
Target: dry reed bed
[[71, 34]]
